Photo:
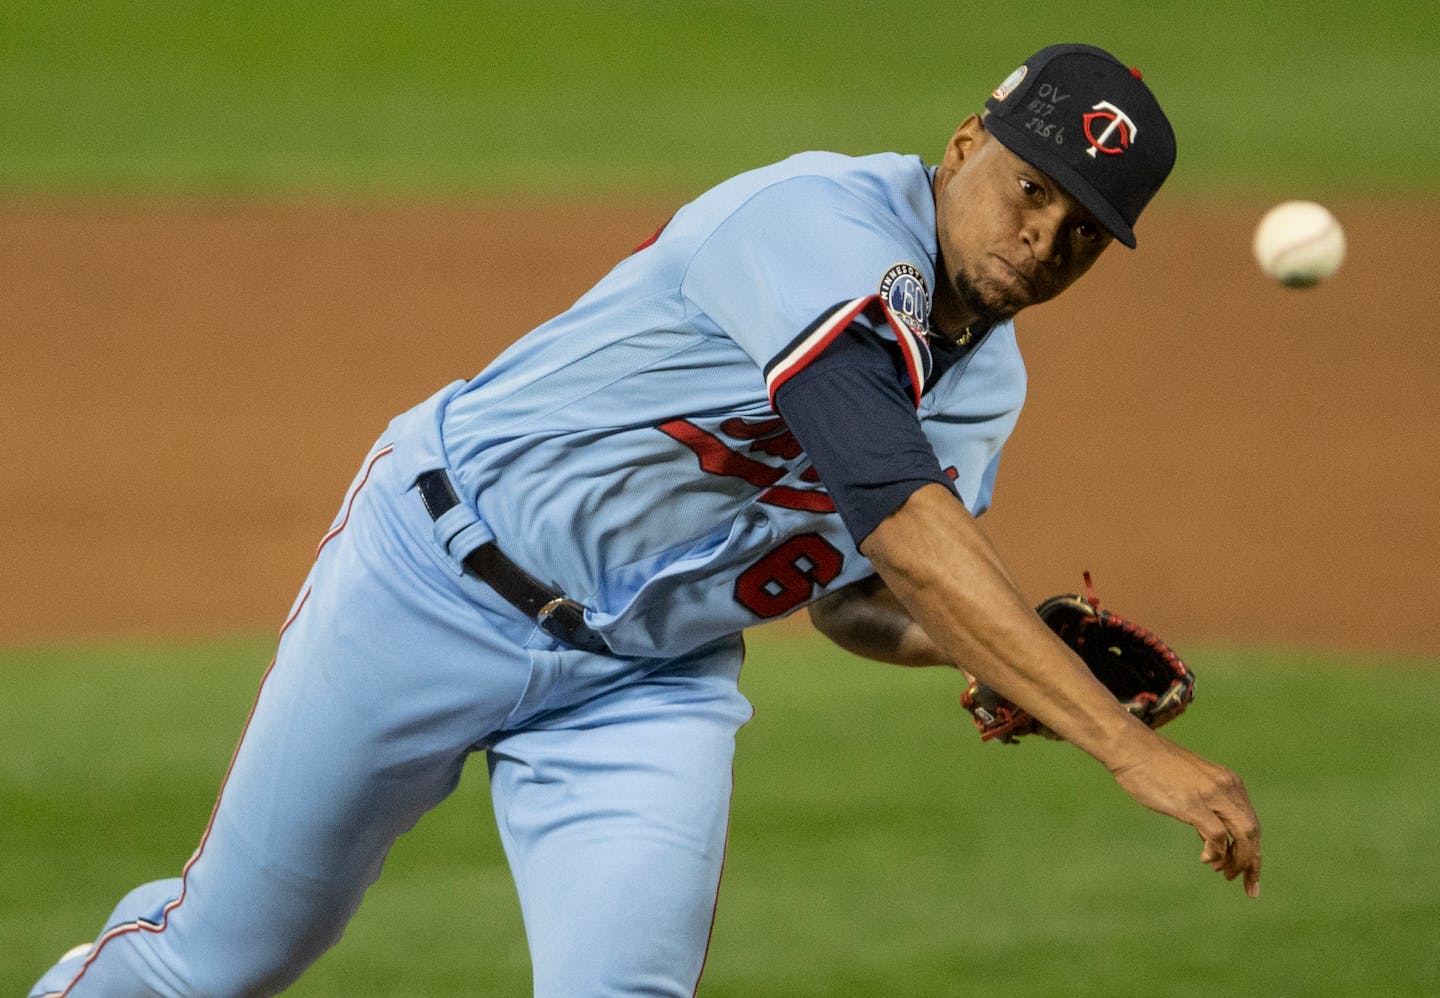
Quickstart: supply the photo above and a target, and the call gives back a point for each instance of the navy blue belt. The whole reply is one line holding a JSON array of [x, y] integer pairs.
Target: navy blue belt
[[555, 613]]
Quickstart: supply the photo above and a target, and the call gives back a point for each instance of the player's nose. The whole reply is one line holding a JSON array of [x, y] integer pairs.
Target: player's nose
[[1042, 234]]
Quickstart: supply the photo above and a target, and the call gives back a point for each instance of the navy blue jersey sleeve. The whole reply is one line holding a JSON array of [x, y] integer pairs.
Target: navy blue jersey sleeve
[[850, 410]]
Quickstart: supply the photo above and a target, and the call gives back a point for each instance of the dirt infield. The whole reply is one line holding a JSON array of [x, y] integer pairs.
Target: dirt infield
[[187, 389]]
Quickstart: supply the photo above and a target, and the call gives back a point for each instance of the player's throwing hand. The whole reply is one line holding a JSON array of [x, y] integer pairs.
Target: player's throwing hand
[[813, 368], [1207, 797]]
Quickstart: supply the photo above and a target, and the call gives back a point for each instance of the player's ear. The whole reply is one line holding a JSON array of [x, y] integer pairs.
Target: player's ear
[[968, 137]]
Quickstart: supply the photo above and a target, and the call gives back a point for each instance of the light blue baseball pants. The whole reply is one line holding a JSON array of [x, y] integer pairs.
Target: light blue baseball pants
[[611, 780]]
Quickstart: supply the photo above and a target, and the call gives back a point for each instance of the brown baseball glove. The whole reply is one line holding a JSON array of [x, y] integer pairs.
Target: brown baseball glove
[[1143, 672]]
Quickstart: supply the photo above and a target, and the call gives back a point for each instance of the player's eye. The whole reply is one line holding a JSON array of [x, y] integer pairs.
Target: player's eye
[[1030, 188], [1089, 232]]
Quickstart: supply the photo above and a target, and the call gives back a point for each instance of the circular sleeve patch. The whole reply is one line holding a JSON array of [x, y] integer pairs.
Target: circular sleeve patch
[[904, 292]]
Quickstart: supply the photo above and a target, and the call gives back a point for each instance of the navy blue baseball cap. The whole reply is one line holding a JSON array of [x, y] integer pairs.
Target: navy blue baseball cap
[[1090, 124]]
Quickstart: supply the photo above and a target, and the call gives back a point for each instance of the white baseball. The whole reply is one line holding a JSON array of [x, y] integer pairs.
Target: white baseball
[[1299, 243]]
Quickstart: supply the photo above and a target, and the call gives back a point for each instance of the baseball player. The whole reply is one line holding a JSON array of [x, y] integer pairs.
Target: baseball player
[[796, 393]]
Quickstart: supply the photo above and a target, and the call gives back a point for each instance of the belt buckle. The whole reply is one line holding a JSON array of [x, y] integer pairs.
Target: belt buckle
[[564, 619]]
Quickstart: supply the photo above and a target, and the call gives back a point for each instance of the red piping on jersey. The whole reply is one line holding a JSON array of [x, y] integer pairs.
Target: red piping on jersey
[[143, 925], [653, 236], [816, 343], [910, 347]]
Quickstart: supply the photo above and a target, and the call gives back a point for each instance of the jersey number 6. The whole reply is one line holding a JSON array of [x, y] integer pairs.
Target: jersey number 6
[[786, 578]]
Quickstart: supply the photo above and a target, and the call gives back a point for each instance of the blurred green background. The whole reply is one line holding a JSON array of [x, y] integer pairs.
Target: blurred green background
[[588, 97], [877, 848]]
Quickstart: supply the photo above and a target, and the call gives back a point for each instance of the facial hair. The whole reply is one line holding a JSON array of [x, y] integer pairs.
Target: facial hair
[[972, 301]]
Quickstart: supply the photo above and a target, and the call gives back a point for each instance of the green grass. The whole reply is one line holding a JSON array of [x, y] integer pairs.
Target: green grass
[[876, 847], [578, 98]]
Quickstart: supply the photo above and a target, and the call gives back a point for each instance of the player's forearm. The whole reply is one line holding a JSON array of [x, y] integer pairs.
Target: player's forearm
[[866, 619], [942, 568]]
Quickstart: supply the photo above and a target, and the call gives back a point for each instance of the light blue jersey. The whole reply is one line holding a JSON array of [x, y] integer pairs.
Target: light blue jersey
[[627, 450], [628, 454]]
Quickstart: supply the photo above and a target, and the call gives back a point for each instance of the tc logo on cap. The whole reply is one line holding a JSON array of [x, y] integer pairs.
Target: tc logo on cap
[[1026, 114], [1117, 125]]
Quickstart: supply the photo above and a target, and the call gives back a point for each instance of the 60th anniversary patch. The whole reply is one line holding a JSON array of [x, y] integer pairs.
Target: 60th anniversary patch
[[903, 289]]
